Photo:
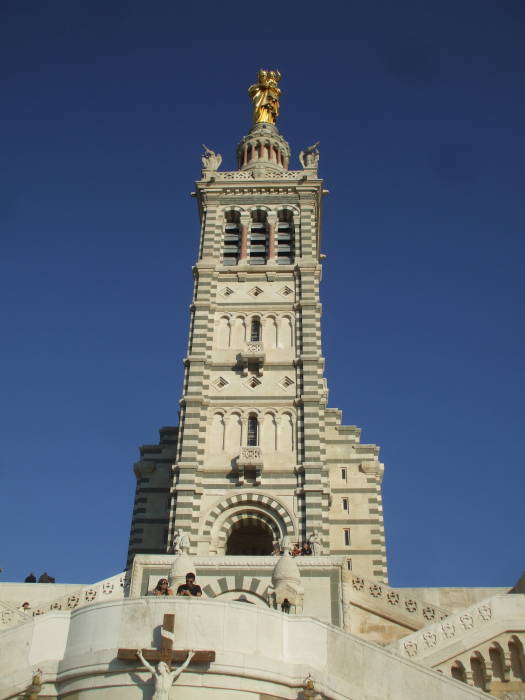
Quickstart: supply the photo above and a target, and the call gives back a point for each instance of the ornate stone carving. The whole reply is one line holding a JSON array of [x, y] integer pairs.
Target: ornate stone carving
[[73, 601], [393, 598], [410, 648], [430, 639], [376, 590], [253, 356], [467, 621], [181, 542], [236, 175], [429, 613], [210, 159], [90, 594], [411, 605], [448, 629], [358, 583], [309, 158], [485, 612], [263, 173], [7, 617], [250, 456], [315, 543]]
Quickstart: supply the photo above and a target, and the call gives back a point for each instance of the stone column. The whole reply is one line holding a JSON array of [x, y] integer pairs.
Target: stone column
[[245, 222], [272, 227]]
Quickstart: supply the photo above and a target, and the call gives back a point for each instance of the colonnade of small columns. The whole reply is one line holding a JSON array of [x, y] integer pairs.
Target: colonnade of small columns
[[270, 221], [264, 151], [491, 666]]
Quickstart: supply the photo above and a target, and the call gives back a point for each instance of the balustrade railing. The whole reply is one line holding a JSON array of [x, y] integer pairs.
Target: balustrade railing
[[250, 456]]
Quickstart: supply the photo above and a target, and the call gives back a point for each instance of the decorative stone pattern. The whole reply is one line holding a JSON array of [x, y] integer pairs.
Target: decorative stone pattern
[[482, 645], [262, 174], [394, 601], [452, 627], [251, 455], [110, 589]]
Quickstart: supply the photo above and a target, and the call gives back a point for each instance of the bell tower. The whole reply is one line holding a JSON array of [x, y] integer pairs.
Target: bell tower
[[257, 456]]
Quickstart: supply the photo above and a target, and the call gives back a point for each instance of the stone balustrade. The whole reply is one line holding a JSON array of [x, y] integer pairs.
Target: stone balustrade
[[111, 588], [478, 621], [252, 356], [250, 457], [371, 594], [481, 645], [254, 347], [260, 173], [250, 465]]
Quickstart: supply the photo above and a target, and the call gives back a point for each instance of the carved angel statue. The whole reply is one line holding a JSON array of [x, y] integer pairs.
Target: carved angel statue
[[265, 97], [309, 158], [181, 542], [210, 159], [315, 543], [162, 675]]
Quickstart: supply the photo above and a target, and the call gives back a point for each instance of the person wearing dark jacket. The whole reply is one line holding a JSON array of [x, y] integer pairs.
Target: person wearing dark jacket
[[46, 578]]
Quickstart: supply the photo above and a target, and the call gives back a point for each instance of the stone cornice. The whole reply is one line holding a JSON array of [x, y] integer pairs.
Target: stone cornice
[[328, 561]]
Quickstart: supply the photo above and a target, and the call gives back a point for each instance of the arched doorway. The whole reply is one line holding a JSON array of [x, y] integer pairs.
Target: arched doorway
[[250, 537]]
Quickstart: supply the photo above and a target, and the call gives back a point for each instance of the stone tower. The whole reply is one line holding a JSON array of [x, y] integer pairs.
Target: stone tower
[[257, 456]]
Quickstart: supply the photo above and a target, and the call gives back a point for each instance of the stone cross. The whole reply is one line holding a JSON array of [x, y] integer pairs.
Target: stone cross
[[166, 652]]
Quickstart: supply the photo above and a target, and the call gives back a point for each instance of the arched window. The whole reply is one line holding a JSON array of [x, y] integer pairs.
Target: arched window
[[458, 672], [285, 238], [517, 658], [255, 329], [232, 238], [497, 662], [252, 437], [258, 253], [479, 671]]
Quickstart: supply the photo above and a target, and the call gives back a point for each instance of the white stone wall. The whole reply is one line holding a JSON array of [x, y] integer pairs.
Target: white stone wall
[[257, 652]]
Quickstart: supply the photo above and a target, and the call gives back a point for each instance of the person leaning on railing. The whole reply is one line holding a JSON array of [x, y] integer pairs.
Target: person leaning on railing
[[162, 587]]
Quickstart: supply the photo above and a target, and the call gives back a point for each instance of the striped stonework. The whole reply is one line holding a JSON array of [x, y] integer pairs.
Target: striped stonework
[[257, 278], [225, 584]]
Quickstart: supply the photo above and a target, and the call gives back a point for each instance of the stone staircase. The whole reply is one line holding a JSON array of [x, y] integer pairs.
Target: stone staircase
[[481, 645], [391, 603]]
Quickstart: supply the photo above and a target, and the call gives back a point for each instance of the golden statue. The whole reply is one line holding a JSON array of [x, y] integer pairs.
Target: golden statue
[[265, 97]]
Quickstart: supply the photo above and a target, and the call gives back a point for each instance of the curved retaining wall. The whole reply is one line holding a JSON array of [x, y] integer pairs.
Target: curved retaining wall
[[258, 651]]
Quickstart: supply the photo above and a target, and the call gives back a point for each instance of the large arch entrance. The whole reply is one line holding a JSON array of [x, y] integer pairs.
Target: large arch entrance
[[265, 519], [250, 537]]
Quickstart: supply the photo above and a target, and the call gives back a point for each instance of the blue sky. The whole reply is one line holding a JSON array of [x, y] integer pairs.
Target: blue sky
[[419, 108]]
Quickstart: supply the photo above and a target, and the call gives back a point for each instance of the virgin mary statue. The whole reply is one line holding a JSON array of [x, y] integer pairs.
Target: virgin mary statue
[[265, 97]]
